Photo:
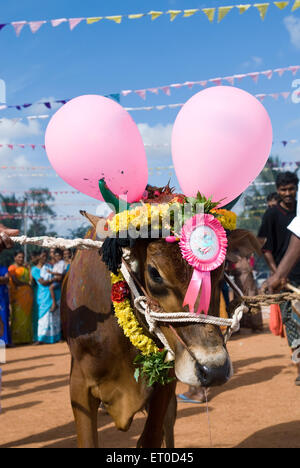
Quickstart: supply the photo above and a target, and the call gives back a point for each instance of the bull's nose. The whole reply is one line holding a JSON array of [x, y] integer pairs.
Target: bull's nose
[[213, 376]]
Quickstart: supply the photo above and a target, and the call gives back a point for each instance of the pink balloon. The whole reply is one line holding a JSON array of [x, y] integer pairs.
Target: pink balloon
[[92, 137], [221, 140]]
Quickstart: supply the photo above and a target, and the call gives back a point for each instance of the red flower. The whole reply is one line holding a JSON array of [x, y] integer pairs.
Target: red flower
[[119, 291]]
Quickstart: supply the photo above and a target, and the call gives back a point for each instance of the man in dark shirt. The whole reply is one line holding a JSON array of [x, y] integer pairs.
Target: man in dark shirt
[[274, 230]]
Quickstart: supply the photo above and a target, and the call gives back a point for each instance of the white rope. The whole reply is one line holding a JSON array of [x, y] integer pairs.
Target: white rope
[[58, 242], [140, 302]]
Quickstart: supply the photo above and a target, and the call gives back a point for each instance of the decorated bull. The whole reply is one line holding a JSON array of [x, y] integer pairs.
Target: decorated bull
[[119, 358]]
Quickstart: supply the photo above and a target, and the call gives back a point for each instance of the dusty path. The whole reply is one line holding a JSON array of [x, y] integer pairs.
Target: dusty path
[[259, 407]]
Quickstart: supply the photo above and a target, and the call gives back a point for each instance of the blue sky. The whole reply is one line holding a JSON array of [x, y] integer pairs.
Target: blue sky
[[105, 57]]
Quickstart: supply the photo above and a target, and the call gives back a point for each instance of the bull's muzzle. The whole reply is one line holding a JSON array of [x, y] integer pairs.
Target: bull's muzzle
[[213, 376]]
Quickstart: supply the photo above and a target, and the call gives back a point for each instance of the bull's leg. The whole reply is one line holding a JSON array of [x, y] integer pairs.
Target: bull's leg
[[85, 408], [153, 433], [169, 422]]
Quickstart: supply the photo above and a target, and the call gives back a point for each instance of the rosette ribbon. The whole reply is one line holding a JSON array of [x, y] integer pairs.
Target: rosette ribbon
[[203, 244]]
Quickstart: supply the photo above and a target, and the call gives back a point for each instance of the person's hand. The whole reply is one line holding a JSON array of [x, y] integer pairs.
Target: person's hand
[[273, 284], [5, 240]]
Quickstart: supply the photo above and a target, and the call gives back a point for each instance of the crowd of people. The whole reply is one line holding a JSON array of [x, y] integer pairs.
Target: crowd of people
[[30, 297]]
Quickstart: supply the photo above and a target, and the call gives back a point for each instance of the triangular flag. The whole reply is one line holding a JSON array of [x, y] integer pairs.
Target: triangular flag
[[155, 14], [153, 90], [18, 26], [188, 13], [94, 20], [141, 93], [176, 85], [280, 71], [268, 73], [285, 94], [261, 97], [240, 77], [116, 19], [47, 104], [229, 79], [296, 5], [281, 5], [262, 8], [166, 90], [173, 14], [57, 22], [2, 26], [254, 76], [126, 92], [223, 12], [210, 13], [189, 84], [275, 95], [294, 69], [35, 25], [202, 83], [136, 16], [216, 81], [73, 22], [243, 8]]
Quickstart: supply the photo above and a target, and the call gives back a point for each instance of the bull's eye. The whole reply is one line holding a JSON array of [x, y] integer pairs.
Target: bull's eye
[[154, 275]]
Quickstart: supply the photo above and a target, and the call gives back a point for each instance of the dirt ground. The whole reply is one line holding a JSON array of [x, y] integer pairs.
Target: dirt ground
[[259, 407]]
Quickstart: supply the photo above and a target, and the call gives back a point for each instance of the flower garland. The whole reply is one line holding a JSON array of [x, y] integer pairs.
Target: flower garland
[[151, 214], [151, 361]]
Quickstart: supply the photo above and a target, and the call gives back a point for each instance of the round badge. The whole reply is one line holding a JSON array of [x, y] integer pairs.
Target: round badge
[[203, 242]]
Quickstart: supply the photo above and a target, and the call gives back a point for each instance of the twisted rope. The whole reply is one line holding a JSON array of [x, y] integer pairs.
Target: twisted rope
[[268, 299], [58, 242]]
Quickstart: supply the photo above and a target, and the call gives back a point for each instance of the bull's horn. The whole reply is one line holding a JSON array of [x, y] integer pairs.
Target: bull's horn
[[109, 197]]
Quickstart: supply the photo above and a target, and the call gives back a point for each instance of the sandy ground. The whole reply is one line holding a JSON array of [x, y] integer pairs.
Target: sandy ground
[[259, 407]]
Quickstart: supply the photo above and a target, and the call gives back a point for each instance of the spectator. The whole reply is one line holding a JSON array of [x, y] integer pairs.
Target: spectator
[[48, 324], [67, 259], [4, 306], [274, 228], [21, 300], [57, 272]]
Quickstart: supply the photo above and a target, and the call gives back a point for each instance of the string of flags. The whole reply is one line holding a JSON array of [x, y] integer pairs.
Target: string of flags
[[40, 217], [50, 104], [16, 146], [261, 96], [167, 89], [210, 13]]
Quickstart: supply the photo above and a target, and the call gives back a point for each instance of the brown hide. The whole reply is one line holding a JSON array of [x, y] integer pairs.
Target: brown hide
[[102, 357], [101, 353]]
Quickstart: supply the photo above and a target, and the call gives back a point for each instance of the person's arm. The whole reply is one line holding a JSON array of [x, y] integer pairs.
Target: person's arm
[[5, 233], [44, 282], [270, 260], [291, 257], [4, 279]]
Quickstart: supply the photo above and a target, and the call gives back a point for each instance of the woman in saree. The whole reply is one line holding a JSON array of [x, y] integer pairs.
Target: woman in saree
[[47, 324], [21, 300]]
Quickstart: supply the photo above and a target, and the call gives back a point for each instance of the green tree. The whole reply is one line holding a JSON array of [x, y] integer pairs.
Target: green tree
[[255, 197], [78, 233], [11, 213]]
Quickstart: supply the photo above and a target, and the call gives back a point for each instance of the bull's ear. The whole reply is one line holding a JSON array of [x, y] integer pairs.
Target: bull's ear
[[242, 243], [93, 219]]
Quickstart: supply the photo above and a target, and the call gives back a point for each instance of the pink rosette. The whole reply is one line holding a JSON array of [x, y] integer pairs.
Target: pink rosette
[[204, 233]]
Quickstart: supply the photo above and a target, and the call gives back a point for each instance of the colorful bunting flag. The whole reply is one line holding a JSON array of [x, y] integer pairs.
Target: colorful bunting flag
[[155, 14], [18, 26], [188, 13], [296, 5], [136, 16], [173, 14], [210, 13], [35, 25], [262, 8], [57, 22], [243, 8], [117, 19], [93, 20], [281, 5], [73, 22], [223, 12]]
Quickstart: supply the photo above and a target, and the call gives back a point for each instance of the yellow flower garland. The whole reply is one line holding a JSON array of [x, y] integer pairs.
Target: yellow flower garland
[[130, 325], [226, 218]]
